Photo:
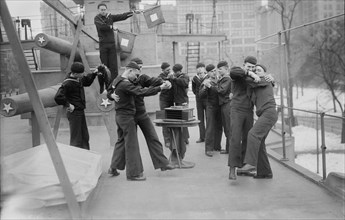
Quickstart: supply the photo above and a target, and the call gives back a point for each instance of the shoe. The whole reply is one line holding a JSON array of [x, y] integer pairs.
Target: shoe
[[224, 152], [200, 140], [140, 177], [209, 153], [263, 176], [246, 168], [246, 173], [167, 144], [232, 173], [168, 167], [187, 164], [113, 172]]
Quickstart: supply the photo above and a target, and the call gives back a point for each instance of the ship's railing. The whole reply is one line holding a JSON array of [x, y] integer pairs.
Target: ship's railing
[[319, 129]]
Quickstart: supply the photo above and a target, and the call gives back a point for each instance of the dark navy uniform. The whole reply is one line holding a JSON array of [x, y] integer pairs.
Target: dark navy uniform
[[263, 97], [241, 114], [224, 89], [180, 87], [200, 105], [107, 48], [166, 100], [213, 117], [73, 93], [143, 120], [126, 152]]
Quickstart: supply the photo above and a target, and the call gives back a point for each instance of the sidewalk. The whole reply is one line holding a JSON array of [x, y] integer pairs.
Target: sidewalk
[[203, 192]]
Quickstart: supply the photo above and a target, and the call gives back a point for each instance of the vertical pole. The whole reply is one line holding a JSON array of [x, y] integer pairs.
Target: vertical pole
[[186, 26], [57, 120], [219, 58], [31, 35], [35, 130], [1, 38], [174, 52], [317, 137], [18, 23], [40, 112], [281, 94], [323, 146], [74, 45], [287, 90], [56, 34], [190, 26], [197, 26], [117, 43], [26, 32], [51, 25]]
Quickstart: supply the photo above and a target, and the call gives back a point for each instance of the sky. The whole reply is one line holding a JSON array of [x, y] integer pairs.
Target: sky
[[26, 9]]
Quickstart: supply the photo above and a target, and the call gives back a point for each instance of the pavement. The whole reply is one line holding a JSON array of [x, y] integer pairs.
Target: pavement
[[203, 192]]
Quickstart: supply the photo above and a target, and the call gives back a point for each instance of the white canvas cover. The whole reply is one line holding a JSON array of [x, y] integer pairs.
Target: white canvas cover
[[32, 174]]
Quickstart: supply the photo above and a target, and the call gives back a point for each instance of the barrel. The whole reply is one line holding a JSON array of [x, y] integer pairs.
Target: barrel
[[56, 45], [20, 104]]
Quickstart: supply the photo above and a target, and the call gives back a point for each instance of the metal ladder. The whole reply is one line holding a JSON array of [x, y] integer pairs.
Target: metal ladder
[[193, 56], [31, 58]]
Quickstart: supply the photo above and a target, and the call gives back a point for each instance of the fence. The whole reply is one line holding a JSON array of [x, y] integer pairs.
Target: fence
[[299, 65], [317, 135]]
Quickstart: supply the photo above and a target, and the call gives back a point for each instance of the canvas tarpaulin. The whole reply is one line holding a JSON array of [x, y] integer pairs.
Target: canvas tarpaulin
[[31, 173]]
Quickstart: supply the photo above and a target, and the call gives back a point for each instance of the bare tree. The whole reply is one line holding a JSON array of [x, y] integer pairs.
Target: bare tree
[[328, 61], [286, 9]]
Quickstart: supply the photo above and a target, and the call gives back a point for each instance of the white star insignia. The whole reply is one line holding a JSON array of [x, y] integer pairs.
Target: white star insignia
[[7, 107], [105, 103], [41, 40]]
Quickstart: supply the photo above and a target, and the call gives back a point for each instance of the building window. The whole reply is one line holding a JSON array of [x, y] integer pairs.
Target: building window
[[249, 24], [236, 24], [226, 16], [236, 41], [236, 16], [249, 40], [248, 6], [212, 50], [236, 33], [237, 49], [248, 15], [235, 7], [249, 49], [249, 32]]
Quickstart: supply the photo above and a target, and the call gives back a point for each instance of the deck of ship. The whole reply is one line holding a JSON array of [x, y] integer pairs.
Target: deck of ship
[[204, 192]]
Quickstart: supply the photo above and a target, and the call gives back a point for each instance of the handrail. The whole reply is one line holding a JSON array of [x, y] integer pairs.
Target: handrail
[[300, 26], [308, 111], [323, 142], [35, 59]]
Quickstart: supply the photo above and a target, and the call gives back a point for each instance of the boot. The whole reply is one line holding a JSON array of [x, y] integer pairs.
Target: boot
[[232, 173]]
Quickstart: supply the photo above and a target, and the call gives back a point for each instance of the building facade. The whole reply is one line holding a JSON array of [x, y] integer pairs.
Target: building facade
[[319, 9], [237, 19]]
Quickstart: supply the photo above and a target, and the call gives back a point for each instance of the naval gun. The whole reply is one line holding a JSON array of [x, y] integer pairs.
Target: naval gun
[[64, 48], [21, 104], [56, 45]]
